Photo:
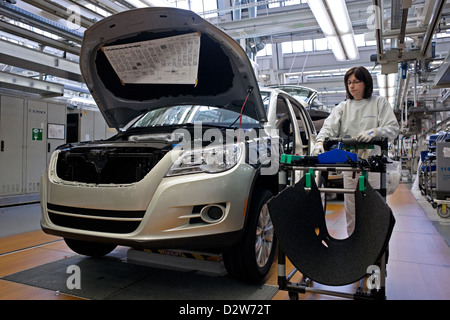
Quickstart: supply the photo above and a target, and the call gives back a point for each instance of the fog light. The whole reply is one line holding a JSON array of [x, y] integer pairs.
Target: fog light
[[212, 213]]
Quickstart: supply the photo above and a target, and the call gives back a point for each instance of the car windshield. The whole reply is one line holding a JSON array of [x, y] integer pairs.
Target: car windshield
[[189, 114]]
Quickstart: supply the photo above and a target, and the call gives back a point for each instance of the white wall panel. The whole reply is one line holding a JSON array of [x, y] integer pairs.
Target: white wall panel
[[11, 137], [36, 144]]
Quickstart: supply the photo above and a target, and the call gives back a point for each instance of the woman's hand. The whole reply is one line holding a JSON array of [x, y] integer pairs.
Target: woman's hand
[[366, 136]]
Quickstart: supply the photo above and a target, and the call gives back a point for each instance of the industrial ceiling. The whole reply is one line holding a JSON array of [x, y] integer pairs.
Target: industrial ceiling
[[40, 41]]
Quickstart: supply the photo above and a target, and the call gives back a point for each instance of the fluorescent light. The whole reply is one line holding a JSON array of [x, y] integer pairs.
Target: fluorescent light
[[381, 81], [338, 10], [337, 48], [392, 79], [387, 84], [350, 46], [332, 17], [319, 10], [157, 3], [137, 3]]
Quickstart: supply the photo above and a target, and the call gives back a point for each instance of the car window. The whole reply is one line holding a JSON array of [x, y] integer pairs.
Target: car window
[[163, 116], [284, 126], [189, 114], [305, 125]]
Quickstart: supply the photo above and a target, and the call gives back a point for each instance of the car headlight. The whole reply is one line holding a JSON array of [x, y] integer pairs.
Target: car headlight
[[208, 160]]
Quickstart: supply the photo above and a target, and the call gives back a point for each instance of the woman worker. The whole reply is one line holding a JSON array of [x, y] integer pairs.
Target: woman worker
[[361, 116]]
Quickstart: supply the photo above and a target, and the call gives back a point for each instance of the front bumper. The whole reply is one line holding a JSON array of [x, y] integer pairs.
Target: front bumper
[[155, 212]]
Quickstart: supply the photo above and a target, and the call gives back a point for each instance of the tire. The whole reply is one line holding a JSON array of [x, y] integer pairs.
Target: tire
[[252, 257], [87, 248]]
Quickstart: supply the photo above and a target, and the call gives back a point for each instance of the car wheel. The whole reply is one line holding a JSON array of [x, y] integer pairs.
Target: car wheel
[[88, 248], [251, 258]]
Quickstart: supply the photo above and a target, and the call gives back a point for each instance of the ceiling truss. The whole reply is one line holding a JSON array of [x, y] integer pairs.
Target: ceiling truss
[[410, 26]]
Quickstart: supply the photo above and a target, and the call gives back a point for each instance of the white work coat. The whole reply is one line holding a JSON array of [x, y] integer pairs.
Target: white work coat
[[347, 120], [350, 117]]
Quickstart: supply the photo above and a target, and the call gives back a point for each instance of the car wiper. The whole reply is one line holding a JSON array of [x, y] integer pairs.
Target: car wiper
[[188, 124], [208, 124], [165, 125], [232, 124]]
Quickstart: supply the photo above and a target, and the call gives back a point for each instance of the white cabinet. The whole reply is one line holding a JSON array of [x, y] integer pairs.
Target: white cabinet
[[12, 145], [25, 142]]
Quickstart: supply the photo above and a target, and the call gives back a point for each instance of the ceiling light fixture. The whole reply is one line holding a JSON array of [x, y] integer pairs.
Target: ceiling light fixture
[[158, 3], [137, 3], [332, 17], [387, 84]]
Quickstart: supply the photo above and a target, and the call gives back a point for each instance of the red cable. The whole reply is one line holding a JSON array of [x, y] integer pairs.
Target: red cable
[[240, 117]]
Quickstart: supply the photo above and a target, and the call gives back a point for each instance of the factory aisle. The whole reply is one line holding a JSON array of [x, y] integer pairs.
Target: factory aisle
[[418, 266], [419, 256]]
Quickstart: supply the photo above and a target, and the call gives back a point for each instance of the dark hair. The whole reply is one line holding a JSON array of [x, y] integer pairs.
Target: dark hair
[[363, 75]]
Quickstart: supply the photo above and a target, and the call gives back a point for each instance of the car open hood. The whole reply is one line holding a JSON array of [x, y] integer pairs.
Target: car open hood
[[149, 58]]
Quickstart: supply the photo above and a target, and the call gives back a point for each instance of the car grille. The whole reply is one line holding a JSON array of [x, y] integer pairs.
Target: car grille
[[113, 221], [106, 165]]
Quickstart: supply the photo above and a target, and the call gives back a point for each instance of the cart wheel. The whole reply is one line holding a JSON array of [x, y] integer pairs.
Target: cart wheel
[[293, 295], [441, 212], [434, 205]]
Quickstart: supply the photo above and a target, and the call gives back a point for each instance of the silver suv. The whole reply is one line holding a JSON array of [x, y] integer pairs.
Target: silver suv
[[197, 154]]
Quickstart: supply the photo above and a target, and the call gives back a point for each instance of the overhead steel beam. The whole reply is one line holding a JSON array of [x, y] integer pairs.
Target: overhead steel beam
[[295, 20], [409, 32], [406, 4], [126, 4], [62, 12], [83, 5], [32, 19], [396, 14], [107, 5], [17, 82], [377, 5], [264, 25], [442, 78], [41, 39], [23, 57], [434, 20]]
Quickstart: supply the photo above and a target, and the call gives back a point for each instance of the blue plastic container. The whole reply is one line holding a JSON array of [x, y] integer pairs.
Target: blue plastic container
[[423, 155], [336, 156], [432, 140]]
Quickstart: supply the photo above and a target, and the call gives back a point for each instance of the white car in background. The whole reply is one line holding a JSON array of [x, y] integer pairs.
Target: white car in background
[[197, 153]]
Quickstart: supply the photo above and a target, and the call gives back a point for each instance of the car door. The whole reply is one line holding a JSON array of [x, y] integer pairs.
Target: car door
[[295, 126], [306, 135], [304, 127], [287, 131]]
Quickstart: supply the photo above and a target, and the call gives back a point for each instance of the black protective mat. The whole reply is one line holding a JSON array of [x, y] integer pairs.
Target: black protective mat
[[300, 226], [109, 279]]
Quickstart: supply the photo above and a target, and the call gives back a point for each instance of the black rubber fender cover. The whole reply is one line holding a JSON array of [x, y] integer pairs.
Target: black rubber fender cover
[[300, 226]]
